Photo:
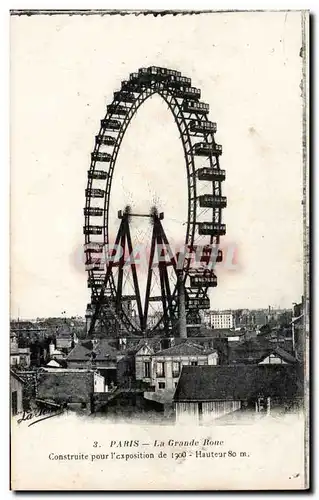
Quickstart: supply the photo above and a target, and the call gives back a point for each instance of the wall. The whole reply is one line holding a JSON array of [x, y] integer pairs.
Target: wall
[[58, 355], [186, 413], [65, 386], [14, 359], [298, 333], [63, 343], [125, 370], [274, 360], [204, 412], [222, 320], [16, 385], [29, 387], [77, 364], [170, 381], [25, 359], [216, 409], [139, 367], [212, 359], [107, 363], [99, 383], [20, 357]]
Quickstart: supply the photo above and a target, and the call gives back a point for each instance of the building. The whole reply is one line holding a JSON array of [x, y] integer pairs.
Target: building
[[161, 369], [19, 356], [222, 340], [64, 339], [243, 318], [220, 319], [27, 330], [71, 387], [258, 351], [277, 337], [298, 330], [278, 356], [16, 393], [113, 359], [55, 353], [79, 357], [259, 317], [206, 393]]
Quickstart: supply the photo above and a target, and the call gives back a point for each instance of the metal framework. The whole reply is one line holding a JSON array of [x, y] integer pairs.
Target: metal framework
[[197, 136]]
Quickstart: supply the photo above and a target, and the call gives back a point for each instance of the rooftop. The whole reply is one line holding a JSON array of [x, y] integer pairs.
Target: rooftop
[[255, 351], [186, 348], [79, 353], [241, 382], [104, 350], [218, 332]]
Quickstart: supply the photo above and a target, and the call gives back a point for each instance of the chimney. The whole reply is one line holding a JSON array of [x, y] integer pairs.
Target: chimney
[[88, 317], [182, 326]]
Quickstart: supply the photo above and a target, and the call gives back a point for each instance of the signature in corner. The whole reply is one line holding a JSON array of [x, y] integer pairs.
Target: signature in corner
[[294, 476], [42, 413]]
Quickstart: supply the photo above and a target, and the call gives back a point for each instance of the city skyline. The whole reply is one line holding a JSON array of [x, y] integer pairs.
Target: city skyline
[[224, 309]]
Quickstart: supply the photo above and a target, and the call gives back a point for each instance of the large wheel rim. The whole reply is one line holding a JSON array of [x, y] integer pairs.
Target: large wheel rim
[[142, 90]]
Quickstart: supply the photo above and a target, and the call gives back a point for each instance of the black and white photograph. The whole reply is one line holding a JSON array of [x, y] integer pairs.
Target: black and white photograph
[[159, 303]]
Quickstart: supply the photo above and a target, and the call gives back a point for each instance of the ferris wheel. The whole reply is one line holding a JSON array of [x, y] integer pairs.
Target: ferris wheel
[[182, 287]]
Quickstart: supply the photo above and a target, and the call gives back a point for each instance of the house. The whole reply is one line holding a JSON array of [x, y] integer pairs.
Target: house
[[143, 363], [99, 352], [113, 361], [19, 355], [16, 392], [55, 353], [278, 356], [258, 352], [79, 357], [105, 356], [64, 339], [162, 369], [206, 393]]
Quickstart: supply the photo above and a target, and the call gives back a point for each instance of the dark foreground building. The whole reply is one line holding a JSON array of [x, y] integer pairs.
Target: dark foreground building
[[205, 393]]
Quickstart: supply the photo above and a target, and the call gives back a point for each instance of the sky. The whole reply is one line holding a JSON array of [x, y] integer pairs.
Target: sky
[[64, 70]]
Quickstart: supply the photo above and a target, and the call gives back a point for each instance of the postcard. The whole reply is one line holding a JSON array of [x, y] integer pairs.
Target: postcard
[[159, 329]]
